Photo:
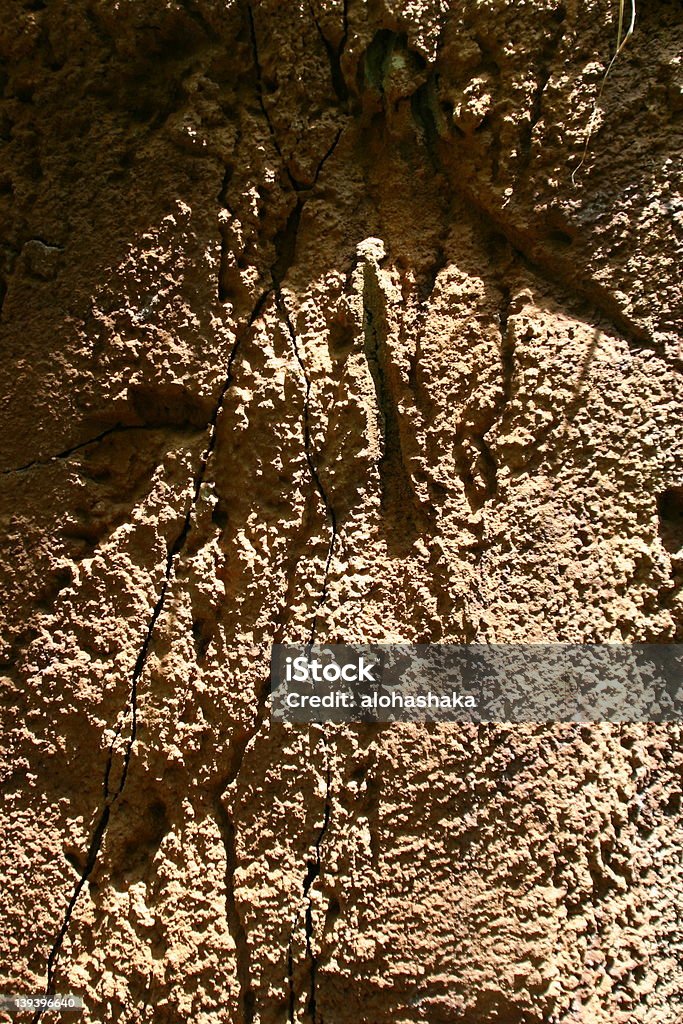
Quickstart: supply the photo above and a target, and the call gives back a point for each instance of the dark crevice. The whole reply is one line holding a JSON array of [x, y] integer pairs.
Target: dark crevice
[[230, 286], [45, 460], [129, 716], [670, 516], [422, 105], [489, 55], [489, 466], [195, 13], [226, 825], [237, 930], [291, 1002], [536, 108], [440, 261], [464, 469], [260, 93], [285, 253], [334, 55], [285, 246], [313, 872], [345, 33], [378, 57], [544, 74], [490, 125], [300, 187], [325, 158], [75, 861], [507, 346]]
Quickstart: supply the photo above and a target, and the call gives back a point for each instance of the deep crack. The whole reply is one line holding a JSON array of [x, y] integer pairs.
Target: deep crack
[[334, 55], [45, 460], [235, 924], [314, 867], [291, 1002], [312, 873], [547, 56], [325, 157], [262, 103], [285, 249], [112, 793]]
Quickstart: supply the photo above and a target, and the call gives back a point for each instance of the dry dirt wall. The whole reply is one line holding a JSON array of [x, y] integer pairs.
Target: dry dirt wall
[[314, 325]]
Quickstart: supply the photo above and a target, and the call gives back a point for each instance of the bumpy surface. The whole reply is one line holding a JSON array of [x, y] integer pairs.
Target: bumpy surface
[[315, 325]]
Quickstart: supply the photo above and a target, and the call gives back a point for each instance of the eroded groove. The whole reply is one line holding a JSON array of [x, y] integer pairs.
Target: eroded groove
[[310, 462], [224, 291], [397, 496], [285, 247], [112, 793], [345, 33], [537, 261], [605, 306]]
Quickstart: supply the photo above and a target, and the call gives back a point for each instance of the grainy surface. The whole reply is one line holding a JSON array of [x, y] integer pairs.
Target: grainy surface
[[308, 331]]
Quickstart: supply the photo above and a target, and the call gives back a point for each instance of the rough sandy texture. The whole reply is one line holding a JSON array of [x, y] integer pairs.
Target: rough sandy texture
[[308, 331]]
